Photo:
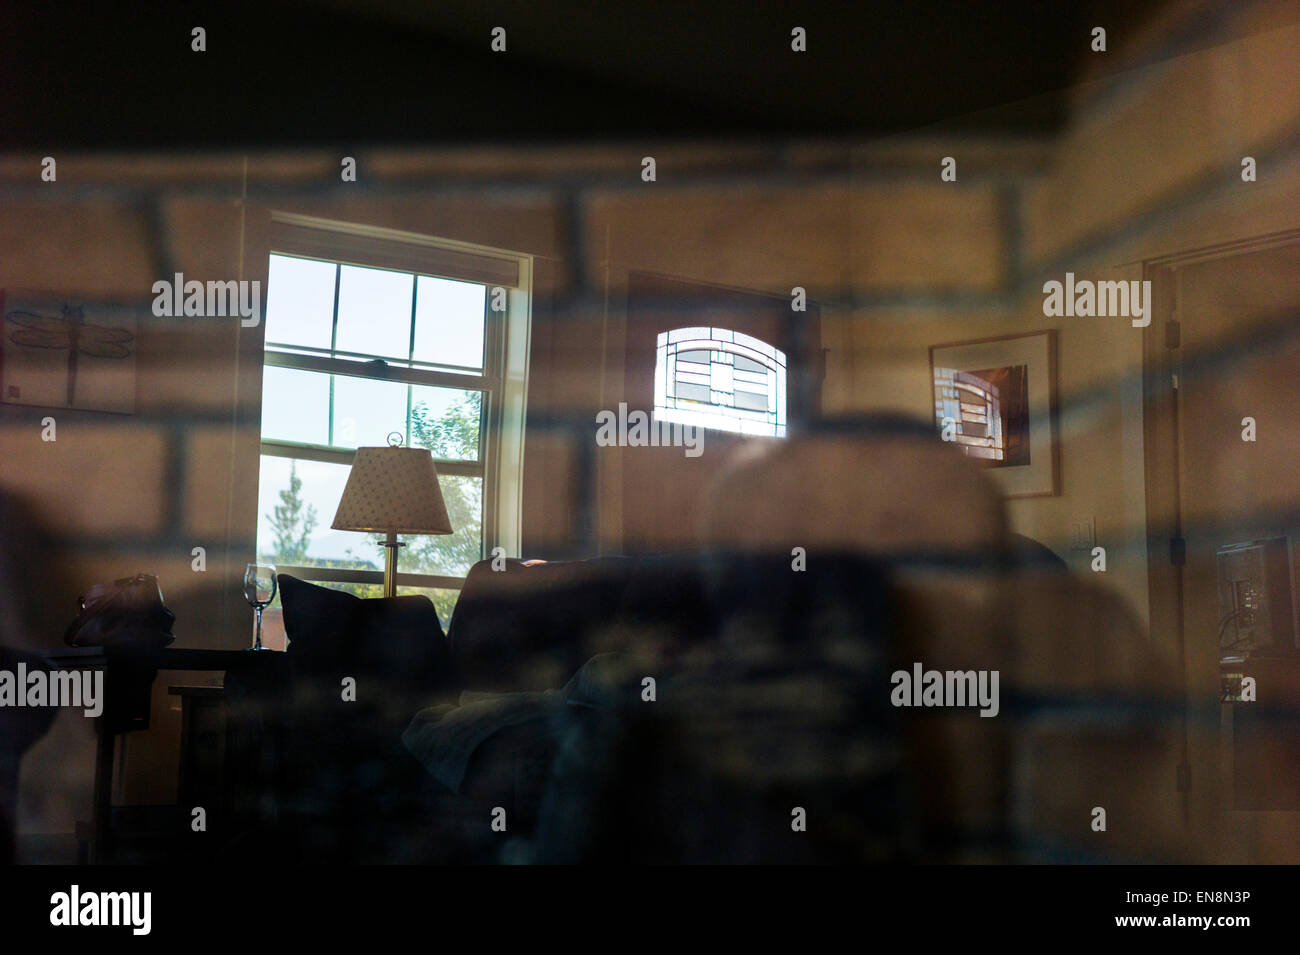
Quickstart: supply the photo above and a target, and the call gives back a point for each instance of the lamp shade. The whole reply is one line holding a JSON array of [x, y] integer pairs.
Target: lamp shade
[[393, 489]]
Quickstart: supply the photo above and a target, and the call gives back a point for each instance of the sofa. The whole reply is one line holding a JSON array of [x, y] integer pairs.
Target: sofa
[[542, 669], [732, 703], [348, 786], [528, 731]]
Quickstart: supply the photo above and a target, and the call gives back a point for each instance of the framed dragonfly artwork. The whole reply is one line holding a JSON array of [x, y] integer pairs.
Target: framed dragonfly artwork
[[62, 353]]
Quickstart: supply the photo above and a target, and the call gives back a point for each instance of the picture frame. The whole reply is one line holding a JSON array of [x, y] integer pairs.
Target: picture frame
[[996, 399], [61, 352]]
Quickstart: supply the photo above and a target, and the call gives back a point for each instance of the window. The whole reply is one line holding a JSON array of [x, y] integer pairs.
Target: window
[[369, 334], [721, 379]]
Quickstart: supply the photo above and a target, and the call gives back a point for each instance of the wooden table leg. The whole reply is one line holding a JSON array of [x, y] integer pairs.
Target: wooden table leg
[[103, 799]]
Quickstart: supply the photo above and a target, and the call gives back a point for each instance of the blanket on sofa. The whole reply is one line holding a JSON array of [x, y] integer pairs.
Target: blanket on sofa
[[445, 737]]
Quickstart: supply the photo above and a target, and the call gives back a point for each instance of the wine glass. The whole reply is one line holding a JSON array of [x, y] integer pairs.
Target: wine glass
[[259, 590]]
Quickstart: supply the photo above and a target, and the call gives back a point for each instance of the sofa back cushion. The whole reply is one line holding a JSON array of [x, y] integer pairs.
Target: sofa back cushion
[[782, 699], [666, 608], [531, 625]]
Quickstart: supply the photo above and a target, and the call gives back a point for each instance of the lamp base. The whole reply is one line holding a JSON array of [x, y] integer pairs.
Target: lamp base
[[390, 564]]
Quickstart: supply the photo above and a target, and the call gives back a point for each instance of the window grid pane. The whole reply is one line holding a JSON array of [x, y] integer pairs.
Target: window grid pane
[[717, 378]]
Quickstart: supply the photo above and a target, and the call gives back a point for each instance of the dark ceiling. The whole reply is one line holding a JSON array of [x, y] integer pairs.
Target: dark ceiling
[[349, 73]]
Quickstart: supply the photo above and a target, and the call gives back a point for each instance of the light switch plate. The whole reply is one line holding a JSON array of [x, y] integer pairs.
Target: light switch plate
[[1083, 534]]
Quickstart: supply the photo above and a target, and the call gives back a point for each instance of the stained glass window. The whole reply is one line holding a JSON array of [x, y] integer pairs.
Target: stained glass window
[[973, 405], [717, 378]]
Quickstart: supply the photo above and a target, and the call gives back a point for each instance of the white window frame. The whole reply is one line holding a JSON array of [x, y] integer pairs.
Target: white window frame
[[504, 378]]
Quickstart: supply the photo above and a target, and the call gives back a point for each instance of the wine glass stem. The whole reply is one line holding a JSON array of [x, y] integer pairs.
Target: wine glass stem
[[257, 642]]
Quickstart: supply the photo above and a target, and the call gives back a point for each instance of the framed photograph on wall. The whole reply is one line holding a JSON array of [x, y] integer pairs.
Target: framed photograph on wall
[[995, 398]]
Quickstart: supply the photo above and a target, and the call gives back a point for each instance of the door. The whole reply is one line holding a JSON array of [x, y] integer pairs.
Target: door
[[1222, 395]]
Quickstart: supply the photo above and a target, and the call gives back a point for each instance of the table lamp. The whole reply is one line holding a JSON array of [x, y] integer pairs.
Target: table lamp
[[391, 491]]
